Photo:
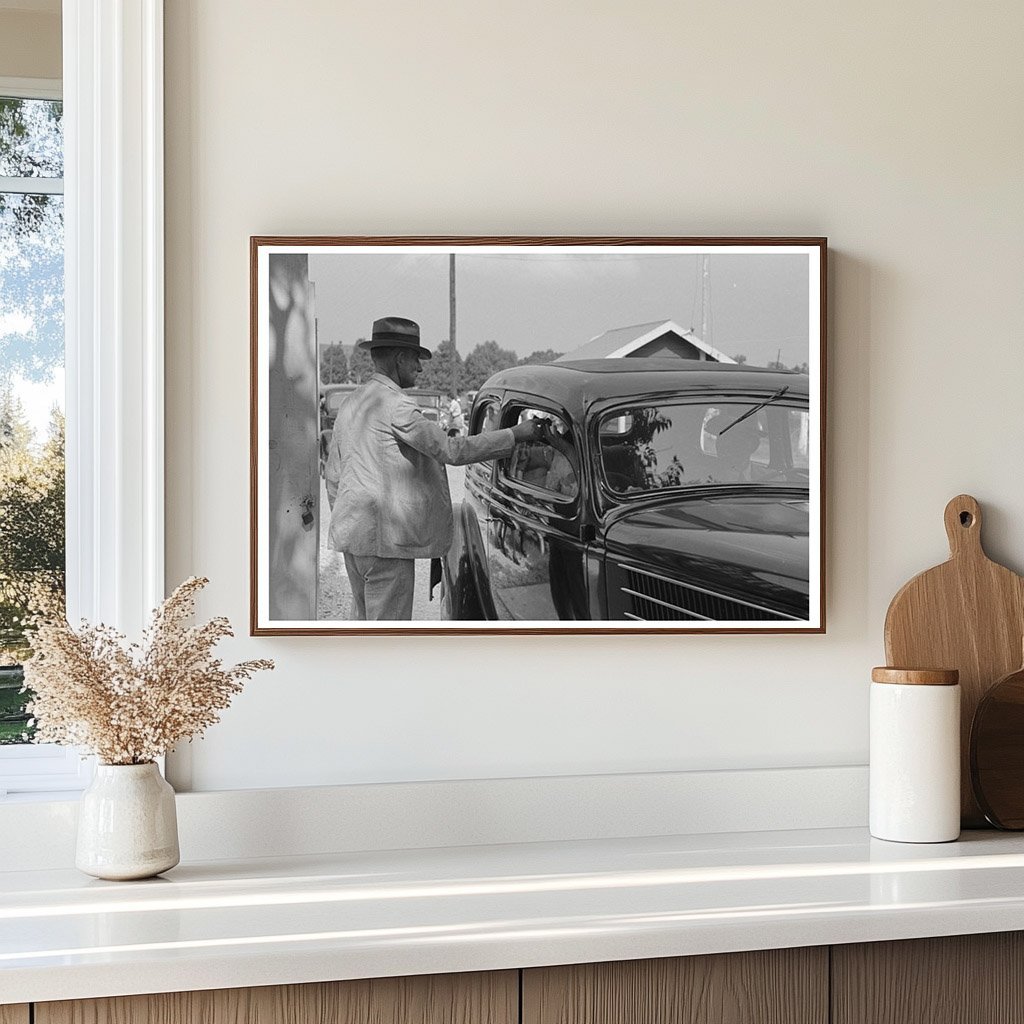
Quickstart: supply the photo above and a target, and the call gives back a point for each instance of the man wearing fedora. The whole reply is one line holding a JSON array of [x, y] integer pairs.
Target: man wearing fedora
[[386, 481]]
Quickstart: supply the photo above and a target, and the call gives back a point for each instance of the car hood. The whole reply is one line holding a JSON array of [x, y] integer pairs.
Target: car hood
[[750, 546]]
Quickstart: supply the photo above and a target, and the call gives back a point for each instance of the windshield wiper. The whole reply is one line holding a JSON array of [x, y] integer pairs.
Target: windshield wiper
[[757, 408]]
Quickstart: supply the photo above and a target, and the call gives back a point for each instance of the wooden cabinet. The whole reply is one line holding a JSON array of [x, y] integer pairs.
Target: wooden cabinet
[[963, 979], [491, 998], [776, 986], [967, 979]]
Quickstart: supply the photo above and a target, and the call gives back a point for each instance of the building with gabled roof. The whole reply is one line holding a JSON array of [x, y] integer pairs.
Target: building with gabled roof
[[658, 338]]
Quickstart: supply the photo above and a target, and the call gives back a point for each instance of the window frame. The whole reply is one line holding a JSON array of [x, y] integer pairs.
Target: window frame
[[38, 767], [112, 89], [482, 473], [31, 89]]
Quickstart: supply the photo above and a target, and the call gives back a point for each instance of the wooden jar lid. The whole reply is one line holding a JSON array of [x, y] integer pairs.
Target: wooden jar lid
[[918, 676]]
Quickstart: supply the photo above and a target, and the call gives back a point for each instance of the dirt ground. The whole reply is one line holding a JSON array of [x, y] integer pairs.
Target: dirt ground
[[334, 596]]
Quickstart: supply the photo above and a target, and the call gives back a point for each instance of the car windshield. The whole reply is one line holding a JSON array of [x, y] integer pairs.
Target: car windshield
[[757, 442]]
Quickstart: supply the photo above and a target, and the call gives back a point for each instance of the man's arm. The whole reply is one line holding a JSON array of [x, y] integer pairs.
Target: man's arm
[[411, 427]]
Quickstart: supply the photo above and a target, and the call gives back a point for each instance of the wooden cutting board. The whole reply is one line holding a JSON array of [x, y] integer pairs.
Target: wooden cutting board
[[967, 614]]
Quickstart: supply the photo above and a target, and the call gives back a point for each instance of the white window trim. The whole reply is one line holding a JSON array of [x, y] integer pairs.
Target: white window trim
[[114, 327], [32, 88]]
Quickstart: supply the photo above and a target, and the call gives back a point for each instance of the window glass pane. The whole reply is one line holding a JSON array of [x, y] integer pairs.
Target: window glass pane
[[487, 418], [31, 138], [31, 429], [547, 465], [655, 447]]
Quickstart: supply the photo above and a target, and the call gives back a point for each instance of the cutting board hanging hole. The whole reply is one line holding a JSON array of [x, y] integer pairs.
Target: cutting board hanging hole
[[963, 526]]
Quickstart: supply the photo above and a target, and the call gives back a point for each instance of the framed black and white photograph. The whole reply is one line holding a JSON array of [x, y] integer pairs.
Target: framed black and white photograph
[[537, 435]]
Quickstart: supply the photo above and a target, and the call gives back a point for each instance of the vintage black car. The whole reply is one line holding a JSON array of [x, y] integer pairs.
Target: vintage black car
[[665, 490]]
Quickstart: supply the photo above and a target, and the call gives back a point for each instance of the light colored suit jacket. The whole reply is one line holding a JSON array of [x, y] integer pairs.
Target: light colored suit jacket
[[386, 481]]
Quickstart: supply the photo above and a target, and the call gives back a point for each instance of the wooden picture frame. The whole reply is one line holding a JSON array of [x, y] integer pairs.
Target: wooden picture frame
[[636, 513]]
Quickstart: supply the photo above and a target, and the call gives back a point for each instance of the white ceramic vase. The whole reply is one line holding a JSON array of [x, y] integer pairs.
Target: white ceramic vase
[[127, 825]]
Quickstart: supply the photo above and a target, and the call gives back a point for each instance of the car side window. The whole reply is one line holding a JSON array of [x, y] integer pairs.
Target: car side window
[[549, 465]]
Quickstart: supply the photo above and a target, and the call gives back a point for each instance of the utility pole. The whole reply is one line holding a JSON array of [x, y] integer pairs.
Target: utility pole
[[451, 300], [705, 299]]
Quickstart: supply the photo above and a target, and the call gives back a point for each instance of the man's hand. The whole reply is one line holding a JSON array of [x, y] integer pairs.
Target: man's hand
[[530, 430]]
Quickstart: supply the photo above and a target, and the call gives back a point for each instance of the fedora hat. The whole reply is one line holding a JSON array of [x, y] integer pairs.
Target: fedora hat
[[396, 332]]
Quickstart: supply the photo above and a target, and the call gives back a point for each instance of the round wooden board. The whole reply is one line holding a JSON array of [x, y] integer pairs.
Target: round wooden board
[[997, 752]]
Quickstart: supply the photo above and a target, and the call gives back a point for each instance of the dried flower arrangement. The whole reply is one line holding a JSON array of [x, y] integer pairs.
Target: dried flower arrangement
[[129, 704]]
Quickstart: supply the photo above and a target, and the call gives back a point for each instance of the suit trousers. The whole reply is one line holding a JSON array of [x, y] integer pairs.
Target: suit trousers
[[382, 588]]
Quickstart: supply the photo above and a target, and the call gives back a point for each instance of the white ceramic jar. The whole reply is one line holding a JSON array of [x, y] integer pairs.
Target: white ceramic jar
[[127, 824], [915, 755]]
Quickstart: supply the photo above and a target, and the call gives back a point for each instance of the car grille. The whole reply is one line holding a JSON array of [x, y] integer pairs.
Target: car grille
[[652, 598]]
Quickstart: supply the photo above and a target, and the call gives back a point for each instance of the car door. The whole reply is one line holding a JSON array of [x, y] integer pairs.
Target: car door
[[534, 554], [465, 592]]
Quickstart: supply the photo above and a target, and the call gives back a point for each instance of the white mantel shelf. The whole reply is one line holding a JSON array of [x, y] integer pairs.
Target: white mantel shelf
[[225, 924]]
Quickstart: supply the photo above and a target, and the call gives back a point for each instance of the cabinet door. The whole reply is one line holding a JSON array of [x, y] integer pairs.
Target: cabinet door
[[962, 979], [14, 1014], [491, 998], [777, 986]]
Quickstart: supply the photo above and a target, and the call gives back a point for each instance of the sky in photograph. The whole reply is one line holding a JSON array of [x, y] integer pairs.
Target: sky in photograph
[[528, 302]]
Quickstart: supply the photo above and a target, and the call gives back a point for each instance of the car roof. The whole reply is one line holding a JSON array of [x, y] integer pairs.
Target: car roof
[[577, 385]]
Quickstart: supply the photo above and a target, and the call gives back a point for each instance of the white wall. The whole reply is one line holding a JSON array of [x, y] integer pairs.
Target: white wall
[[894, 129]]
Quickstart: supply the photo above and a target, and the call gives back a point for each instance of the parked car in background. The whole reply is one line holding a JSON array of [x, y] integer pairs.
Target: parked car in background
[[665, 490], [430, 402], [331, 397]]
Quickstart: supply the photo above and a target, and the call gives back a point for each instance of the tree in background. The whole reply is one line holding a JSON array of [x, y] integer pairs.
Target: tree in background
[[360, 365], [15, 430], [484, 361], [31, 524], [31, 242], [445, 371], [538, 358], [797, 367], [740, 359], [333, 364]]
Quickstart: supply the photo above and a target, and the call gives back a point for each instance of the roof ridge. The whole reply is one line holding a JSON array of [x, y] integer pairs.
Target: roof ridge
[[633, 327]]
